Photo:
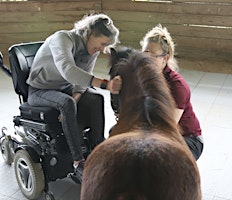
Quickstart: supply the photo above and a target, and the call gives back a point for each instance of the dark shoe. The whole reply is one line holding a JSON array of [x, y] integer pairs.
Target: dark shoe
[[78, 171]]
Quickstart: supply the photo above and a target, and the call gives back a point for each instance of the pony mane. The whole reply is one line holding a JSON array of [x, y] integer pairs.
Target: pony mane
[[145, 99]]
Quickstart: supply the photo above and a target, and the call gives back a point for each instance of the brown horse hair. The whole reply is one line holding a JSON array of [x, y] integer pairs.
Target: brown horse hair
[[137, 166], [145, 99], [145, 157]]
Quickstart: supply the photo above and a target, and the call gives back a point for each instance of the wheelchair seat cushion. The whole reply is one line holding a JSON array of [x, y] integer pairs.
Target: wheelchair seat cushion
[[46, 115]]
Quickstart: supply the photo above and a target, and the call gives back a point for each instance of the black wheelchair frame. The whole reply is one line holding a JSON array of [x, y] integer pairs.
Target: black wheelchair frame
[[38, 146]]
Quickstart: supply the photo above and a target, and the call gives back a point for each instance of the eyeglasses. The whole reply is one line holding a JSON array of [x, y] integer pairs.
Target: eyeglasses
[[156, 56]]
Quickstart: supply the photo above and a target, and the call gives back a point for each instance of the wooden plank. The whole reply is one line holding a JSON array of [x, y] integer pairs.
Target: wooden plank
[[57, 16], [4, 47], [37, 6], [204, 43], [161, 7], [72, 6], [14, 38], [168, 1], [178, 30], [206, 65], [202, 54], [206, 1], [193, 52], [201, 32], [171, 18], [104, 2], [225, 45], [29, 27]]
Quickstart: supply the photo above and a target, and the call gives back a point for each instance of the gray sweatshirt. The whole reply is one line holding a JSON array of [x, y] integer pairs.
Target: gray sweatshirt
[[62, 60]]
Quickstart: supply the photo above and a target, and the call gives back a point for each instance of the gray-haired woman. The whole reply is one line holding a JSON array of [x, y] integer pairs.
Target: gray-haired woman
[[61, 76]]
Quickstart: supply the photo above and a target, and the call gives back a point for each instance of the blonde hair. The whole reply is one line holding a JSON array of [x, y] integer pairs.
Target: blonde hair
[[161, 35], [99, 24]]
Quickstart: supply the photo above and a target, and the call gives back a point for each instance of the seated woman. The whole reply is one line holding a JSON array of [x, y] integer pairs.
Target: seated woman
[[61, 74]]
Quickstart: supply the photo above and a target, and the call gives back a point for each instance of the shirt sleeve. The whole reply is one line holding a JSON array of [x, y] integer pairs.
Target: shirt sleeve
[[61, 47], [181, 93]]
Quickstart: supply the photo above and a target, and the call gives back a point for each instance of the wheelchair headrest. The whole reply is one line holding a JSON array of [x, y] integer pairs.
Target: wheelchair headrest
[[21, 57]]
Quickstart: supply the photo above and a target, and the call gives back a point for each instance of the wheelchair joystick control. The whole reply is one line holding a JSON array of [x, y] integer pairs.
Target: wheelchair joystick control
[[53, 161]]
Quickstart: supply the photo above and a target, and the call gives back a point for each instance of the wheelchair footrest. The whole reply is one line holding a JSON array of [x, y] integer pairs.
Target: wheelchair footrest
[[74, 178]]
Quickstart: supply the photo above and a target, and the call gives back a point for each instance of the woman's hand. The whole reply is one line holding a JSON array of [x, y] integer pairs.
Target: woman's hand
[[76, 97], [114, 85]]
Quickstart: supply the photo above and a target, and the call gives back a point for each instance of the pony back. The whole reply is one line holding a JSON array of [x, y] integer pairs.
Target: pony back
[[137, 166]]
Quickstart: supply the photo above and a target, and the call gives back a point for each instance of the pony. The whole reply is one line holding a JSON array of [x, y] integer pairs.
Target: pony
[[145, 157]]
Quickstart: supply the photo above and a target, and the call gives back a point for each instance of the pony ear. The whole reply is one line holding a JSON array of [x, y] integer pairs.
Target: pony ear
[[113, 53], [112, 61]]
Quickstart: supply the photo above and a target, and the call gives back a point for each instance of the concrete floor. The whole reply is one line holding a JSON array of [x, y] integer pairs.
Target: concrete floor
[[211, 98]]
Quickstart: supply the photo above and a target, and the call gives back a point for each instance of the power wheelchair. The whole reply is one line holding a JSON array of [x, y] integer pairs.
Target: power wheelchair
[[38, 146]]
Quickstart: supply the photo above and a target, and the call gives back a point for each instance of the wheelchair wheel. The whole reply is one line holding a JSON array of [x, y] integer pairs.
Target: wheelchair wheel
[[6, 153], [29, 175], [49, 196]]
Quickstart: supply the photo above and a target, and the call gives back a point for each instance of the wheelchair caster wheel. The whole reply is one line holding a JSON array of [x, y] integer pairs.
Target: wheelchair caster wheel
[[49, 196], [6, 152]]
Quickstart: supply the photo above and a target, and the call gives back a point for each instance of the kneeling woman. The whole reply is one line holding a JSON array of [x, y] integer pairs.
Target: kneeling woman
[[158, 43]]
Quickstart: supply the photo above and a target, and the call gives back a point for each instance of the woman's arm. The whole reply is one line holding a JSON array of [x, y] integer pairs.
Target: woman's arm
[[177, 114], [114, 85]]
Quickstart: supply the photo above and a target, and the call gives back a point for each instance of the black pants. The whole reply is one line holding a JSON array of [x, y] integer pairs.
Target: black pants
[[91, 115], [195, 145]]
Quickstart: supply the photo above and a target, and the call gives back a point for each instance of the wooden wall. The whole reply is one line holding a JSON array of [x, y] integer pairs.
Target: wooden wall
[[35, 20], [201, 29]]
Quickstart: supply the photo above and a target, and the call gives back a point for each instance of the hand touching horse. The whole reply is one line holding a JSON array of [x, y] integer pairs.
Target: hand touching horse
[[146, 157]]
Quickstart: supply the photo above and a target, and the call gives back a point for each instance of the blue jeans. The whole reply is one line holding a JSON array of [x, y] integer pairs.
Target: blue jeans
[[63, 101]]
